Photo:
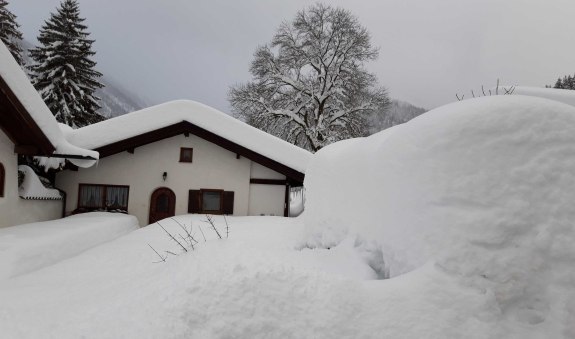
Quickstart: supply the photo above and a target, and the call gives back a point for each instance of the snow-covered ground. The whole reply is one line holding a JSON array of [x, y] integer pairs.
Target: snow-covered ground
[[258, 283], [457, 224], [29, 247]]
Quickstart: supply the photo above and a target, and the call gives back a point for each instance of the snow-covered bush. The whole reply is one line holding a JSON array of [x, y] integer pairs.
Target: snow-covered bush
[[483, 189]]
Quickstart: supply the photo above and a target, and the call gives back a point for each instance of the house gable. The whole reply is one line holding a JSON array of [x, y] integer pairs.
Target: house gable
[[213, 168], [295, 177]]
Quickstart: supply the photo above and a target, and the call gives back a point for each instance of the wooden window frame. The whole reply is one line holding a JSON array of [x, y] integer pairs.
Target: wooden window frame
[[226, 203], [205, 190], [2, 180], [184, 149], [104, 195]]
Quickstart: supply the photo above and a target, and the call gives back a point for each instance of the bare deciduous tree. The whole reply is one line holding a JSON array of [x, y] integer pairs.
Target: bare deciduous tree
[[309, 84]]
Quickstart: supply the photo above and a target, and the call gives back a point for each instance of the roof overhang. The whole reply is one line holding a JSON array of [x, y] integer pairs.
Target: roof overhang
[[294, 177], [20, 127]]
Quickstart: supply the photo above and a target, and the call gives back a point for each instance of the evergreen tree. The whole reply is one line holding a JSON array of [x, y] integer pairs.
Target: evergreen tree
[[63, 72], [9, 33], [568, 82], [559, 83]]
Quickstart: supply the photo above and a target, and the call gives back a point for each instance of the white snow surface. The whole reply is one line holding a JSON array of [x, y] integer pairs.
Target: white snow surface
[[565, 96], [32, 187], [19, 83], [29, 247], [466, 209], [481, 191], [256, 284], [208, 118]]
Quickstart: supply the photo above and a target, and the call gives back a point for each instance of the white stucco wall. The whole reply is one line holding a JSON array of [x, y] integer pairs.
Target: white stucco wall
[[266, 199], [261, 172], [13, 209], [212, 167]]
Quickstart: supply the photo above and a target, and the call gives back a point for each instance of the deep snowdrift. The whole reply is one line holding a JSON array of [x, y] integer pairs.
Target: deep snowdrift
[[252, 285], [482, 189], [29, 247], [565, 96]]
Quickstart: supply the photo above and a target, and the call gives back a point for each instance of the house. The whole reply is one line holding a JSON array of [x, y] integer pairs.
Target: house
[[28, 128], [182, 157], [175, 158]]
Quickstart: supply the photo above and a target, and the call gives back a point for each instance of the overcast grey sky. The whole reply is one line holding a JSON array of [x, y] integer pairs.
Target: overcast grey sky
[[429, 49]]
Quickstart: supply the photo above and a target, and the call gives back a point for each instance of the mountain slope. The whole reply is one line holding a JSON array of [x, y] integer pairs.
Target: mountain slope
[[115, 100], [397, 113]]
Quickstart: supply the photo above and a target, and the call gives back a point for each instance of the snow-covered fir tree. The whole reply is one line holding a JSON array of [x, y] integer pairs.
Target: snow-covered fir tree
[[10, 33], [309, 84], [63, 71], [568, 82]]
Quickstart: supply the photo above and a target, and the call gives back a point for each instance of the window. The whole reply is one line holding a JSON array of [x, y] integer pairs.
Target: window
[[2, 179], [186, 154], [103, 197], [211, 201]]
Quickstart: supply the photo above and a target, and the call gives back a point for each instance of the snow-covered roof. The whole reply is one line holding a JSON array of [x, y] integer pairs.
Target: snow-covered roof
[[33, 188], [17, 81], [565, 96], [153, 118]]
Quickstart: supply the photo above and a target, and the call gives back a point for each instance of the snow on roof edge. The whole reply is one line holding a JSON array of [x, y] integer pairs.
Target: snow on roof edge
[[21, 86], [173, 112], [32, 187]]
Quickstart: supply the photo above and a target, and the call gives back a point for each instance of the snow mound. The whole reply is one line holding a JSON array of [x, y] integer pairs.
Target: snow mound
[[30, 247], [483, 189], [565, 96]]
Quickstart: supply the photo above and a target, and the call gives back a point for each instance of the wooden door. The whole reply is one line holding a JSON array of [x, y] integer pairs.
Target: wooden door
[[162, 204]]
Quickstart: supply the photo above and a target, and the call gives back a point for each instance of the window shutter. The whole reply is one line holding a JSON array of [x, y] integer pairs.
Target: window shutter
[[194, 202], [228, 207], [3, 179]]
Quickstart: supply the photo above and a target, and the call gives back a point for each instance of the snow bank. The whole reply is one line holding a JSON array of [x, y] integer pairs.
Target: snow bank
[[482, 189], [208, 118], [565, 96], [29, 247], [19, 83], [252, 285], [255, 284]]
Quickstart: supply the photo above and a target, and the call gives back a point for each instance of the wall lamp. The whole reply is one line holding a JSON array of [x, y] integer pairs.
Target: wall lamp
[[165, 176]]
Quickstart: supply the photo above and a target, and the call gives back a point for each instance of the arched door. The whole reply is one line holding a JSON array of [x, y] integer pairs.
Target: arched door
[[162, 204]]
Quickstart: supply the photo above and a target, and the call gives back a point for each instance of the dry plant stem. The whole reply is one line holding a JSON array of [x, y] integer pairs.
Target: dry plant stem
[[161, 258], [211, 221], [189, 242], [507, 91], [189, 237], [171, 236], [203, 235], [227, 227]]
